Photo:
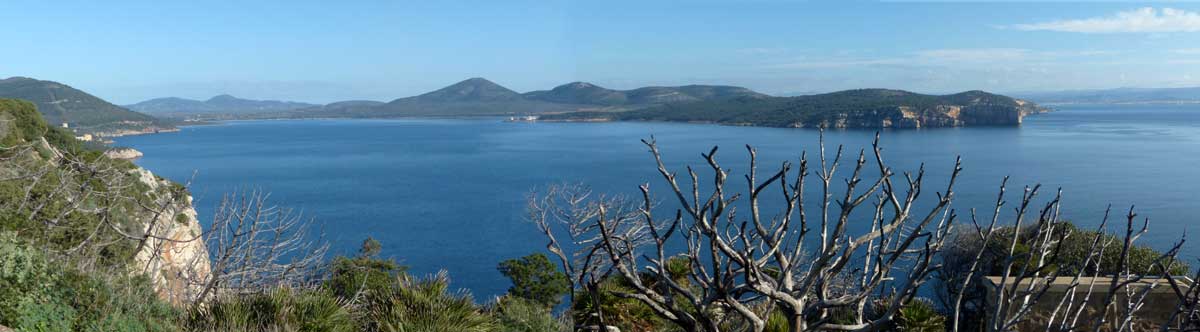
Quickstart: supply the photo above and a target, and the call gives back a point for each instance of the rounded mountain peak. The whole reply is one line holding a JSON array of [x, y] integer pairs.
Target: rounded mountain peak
[[18, 79], [579, 85], [475, 89], [477, 80], [223, 97]]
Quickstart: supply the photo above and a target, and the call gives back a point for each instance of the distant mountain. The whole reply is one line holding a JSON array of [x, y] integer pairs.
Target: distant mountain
[[60, 103], [471, 97], [222, 104], [590, 94], [580, 93], [475, 89], [689, 93], [479, 96], [865, 108], [1117, 96], [341, 109], [355, 103]]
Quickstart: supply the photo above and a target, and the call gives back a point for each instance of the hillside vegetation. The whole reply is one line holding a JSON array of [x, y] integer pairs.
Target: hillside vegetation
[[584, 93], [66, 263], [172, 107], [60, 103], [867, 108]]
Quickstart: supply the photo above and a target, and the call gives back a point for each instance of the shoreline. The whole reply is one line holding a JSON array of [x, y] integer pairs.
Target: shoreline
[[603, 121], [123, 133], [588, 120]]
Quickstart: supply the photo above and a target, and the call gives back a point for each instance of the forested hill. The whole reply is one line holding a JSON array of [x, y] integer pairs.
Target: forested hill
[[479, 96], [590, 94], [864, 108], [222, 104], [60, 103]]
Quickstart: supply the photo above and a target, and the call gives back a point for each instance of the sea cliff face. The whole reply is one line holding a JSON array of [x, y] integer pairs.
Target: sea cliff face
[[175, 256], [931, 117]]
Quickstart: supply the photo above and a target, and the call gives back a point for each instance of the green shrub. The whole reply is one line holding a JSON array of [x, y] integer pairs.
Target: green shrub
[[536, 279], [280, 310], [919, 315], [26, 278], [27, 124], [624, 313], [417, 305], [35, 316], [514, 314], [38, 295], [777, 322], [117, 304], [351, 276]]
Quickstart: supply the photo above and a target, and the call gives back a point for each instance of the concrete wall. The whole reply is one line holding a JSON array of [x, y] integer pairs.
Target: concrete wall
[[1156, 309]]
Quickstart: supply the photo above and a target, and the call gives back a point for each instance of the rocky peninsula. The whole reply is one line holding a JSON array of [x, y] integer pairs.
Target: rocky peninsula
[[866, 108]]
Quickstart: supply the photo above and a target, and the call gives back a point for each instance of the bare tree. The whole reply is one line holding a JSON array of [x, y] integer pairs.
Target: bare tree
[[743, 267], [1186, 316], [739, 268], [256, 246], [582, 218]]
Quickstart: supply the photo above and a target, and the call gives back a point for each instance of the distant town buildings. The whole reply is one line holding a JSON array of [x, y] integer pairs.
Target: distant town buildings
[[522, 118]]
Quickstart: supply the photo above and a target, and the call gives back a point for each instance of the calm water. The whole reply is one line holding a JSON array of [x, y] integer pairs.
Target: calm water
[[450, 194]]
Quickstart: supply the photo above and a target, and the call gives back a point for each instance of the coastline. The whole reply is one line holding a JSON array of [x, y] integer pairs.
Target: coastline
[[130, 132], [503, 117], [599, 121]]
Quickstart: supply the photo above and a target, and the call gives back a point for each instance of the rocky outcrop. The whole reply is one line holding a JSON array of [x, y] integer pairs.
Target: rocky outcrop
[[175, 257], [931, 117], [123, 153]]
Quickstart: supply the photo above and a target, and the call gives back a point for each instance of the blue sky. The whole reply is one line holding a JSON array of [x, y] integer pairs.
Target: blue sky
[[322, 51]]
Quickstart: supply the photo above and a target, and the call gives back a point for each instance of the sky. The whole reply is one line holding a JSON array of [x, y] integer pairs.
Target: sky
[[325, 51]]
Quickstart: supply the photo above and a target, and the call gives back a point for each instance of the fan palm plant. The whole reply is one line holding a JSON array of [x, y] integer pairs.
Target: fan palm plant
[[425, 305]]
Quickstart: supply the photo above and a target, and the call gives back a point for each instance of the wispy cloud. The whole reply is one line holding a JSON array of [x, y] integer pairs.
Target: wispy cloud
[[946, 57], [957, 69], [759, 51], [1144, 20], [974, 54], [834, 63]]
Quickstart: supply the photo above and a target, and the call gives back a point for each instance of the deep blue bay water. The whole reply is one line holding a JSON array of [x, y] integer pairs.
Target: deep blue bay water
[[450, 193]]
